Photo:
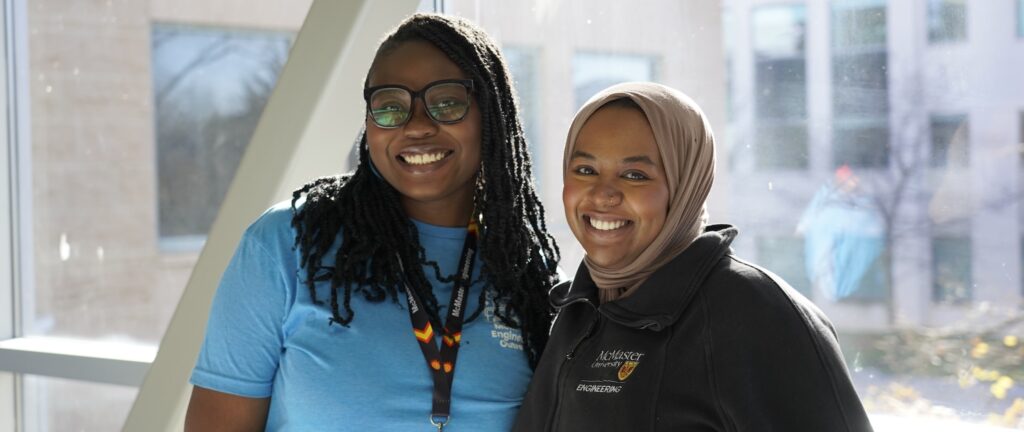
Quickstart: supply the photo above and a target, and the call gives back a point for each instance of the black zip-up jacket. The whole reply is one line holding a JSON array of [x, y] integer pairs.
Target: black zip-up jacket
[[708, 343]]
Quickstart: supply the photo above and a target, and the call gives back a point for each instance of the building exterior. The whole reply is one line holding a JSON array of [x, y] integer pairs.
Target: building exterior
[[919, 101], [869, 146]]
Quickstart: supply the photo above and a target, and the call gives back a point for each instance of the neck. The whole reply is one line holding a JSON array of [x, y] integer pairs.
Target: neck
[[446, 213]]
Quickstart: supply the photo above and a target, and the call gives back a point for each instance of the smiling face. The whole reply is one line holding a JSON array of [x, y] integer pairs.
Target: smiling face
[[615, 191], [433, 166]]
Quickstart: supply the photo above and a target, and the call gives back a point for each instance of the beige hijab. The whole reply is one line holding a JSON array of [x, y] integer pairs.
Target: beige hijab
[[687, 149]]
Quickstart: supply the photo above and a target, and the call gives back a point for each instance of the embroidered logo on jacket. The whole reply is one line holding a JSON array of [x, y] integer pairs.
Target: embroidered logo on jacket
[[616, 358], [598, 387], [622, 364], [627, 369]]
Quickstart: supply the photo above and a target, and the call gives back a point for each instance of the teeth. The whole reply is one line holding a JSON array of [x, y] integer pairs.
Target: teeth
[[423, 159], [607, 225]]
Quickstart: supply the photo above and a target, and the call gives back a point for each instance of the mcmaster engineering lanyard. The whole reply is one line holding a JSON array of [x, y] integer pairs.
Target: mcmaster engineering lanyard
[[441, 363]]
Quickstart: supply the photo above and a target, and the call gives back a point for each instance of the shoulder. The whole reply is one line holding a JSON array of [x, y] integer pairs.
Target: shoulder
[[273, 229], [773, 355], [761, 301]]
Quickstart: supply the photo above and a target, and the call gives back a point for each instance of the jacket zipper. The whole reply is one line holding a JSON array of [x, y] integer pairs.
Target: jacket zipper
[[569, 357]]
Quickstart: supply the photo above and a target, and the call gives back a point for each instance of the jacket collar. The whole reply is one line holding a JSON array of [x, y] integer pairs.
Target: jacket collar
[[661, 299]]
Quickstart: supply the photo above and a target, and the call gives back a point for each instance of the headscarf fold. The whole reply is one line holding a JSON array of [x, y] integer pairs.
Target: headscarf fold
[[687, 148]]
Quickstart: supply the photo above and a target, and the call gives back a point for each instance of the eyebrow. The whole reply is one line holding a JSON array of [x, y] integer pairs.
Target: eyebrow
[[644, 159]]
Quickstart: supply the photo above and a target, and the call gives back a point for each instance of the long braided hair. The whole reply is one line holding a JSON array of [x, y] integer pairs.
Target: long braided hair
[[519, 258]]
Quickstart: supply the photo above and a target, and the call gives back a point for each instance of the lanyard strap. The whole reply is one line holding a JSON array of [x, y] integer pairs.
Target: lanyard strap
[[441, 363]]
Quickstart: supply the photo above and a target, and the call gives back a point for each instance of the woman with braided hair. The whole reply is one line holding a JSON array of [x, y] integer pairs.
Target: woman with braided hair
[[408, 294]]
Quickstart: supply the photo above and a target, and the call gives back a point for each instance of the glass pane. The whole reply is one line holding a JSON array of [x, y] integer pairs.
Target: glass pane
[[592, 72], [947, 20], [858, 23], [728, 41], [951, 269], [786, 257], [780, 30], [782, 144], [1020, 18], [56, 404], [949, 141], [781, 86], [209, 89], [861, 84], [860, 144], [522, 64], [133, 139]]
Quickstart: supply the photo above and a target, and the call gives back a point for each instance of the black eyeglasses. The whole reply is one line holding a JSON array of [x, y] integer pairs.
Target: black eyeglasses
[[446, 101]]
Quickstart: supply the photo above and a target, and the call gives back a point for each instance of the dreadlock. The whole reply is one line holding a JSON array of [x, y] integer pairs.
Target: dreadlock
[[518, 257]]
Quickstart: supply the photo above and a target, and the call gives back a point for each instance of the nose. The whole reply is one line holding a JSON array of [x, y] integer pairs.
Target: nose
[[420, 125], [606, 195]]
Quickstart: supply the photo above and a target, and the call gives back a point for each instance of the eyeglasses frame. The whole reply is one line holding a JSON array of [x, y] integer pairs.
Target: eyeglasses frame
[[369, 91]]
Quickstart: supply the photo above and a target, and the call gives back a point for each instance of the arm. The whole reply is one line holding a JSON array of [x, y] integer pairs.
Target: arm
[[776, 361], [234, 374], [210, 410]]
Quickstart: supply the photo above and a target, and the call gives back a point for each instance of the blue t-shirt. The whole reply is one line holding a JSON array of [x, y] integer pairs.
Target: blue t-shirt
[[265, 338]]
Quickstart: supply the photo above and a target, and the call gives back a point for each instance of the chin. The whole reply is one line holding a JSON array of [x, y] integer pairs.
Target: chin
[[607, 260]]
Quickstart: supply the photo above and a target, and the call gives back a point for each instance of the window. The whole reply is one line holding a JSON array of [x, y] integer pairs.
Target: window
[[592, 72], [729, 42], [94, 238], [951, 269], [104, 409], [949, 141], [1020, 18], [209, 89], [860, 84], [947, 20], [861, 143], [784, 256], [127, 132], [522, 64], [858, 23], [781, 86]]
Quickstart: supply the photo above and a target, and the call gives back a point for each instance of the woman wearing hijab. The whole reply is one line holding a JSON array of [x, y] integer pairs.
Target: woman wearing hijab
[[663, 328]]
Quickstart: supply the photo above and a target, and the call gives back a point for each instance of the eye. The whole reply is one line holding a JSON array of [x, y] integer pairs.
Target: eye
[[387, 108], [584, 170], [448, 103], [635, 175], [448, 109]]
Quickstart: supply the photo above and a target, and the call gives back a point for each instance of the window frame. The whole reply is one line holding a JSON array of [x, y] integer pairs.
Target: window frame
[[44, 356]]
